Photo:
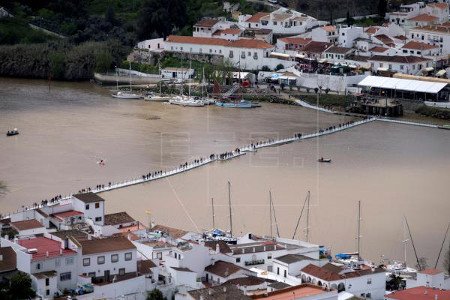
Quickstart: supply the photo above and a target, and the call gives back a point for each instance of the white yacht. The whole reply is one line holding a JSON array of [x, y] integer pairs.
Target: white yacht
[[186, 101], [126, 95]]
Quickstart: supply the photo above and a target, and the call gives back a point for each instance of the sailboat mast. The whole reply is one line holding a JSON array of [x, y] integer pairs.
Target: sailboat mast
[[274, 215], [270, 211], [412, 243], [229, 205], [189, 79], [213, 214], [359, 230], [300, 217], [117, 78], [307, 218], [130, 74], [442, 246]]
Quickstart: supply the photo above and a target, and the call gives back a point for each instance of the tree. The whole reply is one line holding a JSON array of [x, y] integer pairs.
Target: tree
[[447, 260], [382, 8], [20, 287], [265, 69], [155, 295], [110, 15], [279, 67]]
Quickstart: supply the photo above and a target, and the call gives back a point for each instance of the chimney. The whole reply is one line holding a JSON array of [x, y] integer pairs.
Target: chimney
[[264, 248], [60, 251], [46, 253], [1, 257], [217, 247], [254, 249]]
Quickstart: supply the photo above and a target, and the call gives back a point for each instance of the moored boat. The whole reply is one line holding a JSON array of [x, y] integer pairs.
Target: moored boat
[[156, 98], [186, 101], [324, 160], [238, 104], [12, 132], [126, 95]]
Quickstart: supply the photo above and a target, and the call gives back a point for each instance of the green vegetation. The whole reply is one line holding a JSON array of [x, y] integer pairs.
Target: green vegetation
[[19, 287], [439, 113], [15, 31], [59, 60], [155, 295]]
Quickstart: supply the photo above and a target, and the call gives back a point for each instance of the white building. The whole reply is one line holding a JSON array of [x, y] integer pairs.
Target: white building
[[220, 272], [432, 278], [364, 282], [411, 65], [348, 35], [327, 34], [102, 259], [282, 21], [91, 205], [28, 227], [177, 73], [291, 264], [433, 35]]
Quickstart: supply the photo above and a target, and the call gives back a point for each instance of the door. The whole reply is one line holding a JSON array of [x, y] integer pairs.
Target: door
[[106, 275]]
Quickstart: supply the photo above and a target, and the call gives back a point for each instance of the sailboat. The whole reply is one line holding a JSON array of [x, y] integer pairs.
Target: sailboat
[[183, 100], [125, 94], [207, 100]]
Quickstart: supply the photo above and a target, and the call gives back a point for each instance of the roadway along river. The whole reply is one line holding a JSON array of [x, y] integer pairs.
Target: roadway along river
[[393, 169]]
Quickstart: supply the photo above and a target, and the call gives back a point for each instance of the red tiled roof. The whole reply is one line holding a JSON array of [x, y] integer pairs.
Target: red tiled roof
[[419, 293], [254, 44], [106, 245], [378, 49], [256, 17], [398, 59], [67, 214], [230, 31], [118, 218], [329, 28], [385, 39], [439, 5], [46, 248], [25, 225], [372, 30], [172, 232], [434, 28], [430, 271], [401, 37], [295, 40], [223, 268], [418, 46], [8, 261], [331, 272], [339, 50], [316, 47], [207, 22], [424, 18], [298, 292]]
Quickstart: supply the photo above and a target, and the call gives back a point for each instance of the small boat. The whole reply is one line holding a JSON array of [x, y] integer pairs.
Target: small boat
[[12, 132], [126, 95], [238, 104], [156, 97], [447, 127], [324, 160]]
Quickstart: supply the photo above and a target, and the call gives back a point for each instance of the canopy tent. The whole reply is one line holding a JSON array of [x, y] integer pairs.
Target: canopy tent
[[408, 85]]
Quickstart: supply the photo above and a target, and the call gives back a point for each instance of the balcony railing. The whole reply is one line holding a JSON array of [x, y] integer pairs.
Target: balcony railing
[[254, 262]]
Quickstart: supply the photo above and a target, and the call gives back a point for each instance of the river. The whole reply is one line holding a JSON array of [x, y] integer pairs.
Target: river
[[393, 169]]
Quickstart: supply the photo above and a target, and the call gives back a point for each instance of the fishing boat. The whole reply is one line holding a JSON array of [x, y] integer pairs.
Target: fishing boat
[[324, 160], [238, 104], [12, 132]]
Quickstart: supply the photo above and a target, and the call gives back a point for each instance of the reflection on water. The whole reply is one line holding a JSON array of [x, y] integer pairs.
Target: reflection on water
[[393, 169]]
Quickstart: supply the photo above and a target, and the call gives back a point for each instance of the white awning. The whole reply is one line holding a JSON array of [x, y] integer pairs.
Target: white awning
[[409, 85], [441, 73]]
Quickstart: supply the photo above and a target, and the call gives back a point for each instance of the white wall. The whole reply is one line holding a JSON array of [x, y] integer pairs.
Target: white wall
[[131, 289], [99, 269], [91, 212], [39, 286]]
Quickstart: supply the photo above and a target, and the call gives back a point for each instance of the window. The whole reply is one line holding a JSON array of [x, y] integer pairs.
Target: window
[[47, 281], [122, 271], [57, 262], [249, 53], [238, 260], [65, 276], [98, 219], [69, 261], [38, 266], [87, 206], [97, 205], [100, 260], [343, 34], [181, 48], [47, 292], [86, 262], [369, 280], [210, 50], [114, 258], [269, 256], [285, 273], [128, 256], [274, 22], [91, 274], [231, 54], [278, 270]]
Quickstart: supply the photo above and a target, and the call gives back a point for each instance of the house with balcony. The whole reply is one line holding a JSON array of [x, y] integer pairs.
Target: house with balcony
[[437, 35]]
